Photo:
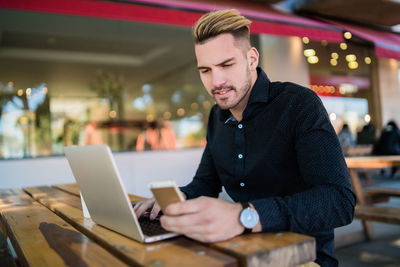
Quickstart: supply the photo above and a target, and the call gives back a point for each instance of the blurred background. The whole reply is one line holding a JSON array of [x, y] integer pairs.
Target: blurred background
[[124, 72]]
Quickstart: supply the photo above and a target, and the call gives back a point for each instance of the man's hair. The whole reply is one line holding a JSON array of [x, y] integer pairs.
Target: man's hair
[[223, 21]]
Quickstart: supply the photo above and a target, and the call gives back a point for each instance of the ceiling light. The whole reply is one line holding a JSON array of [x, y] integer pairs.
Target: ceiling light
[[353, 65], [333, 62], [180, 112], [347, 35], [305, 40], [313, 59], [351, 57], [367, 118], [150, 118], [367, 60], [112, 114], [335, 55], [194, 105], [206, 104], [167, 115], [343, 46], [309, 52]]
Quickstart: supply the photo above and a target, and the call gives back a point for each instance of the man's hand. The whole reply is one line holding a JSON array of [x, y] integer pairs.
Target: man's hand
[[143, 206], [204, 219]]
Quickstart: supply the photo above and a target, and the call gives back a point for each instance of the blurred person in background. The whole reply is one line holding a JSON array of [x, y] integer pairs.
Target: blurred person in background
[[168, 140], [367, 135], [93, 135], [389, 143], [149, 139], [346, 138]]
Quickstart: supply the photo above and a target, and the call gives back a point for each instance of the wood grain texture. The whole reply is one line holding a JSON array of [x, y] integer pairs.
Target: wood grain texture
[[373, 162], [367, 226], [366, 211], [74, 190], [12, 198], [69, 188], [358, 150], [41, 238], [270, 249], [176, 252], [380, 214], [6, 259], [387, 192]]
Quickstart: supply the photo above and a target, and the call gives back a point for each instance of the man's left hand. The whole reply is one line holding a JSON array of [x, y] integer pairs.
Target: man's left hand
[[204, 219]]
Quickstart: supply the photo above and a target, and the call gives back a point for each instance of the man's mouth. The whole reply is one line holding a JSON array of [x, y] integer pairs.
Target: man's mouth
[[222, 91]]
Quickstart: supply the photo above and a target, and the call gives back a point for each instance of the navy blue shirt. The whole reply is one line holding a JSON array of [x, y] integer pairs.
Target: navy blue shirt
[[283, 157]]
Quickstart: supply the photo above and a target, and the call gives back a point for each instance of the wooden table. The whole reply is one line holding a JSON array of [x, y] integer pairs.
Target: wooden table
[[46, 227], [365, 206]]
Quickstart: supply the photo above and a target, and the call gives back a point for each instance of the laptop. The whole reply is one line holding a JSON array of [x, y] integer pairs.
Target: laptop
[[101, 186]]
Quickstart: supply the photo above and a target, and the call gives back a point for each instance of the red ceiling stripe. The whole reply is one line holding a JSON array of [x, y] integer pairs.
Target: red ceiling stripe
[[387, 53], [159, 15], [387, 44], [108, 10], [292, 30]]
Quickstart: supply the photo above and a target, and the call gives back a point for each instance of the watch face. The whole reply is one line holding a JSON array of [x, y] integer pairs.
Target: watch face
[[249, 218]]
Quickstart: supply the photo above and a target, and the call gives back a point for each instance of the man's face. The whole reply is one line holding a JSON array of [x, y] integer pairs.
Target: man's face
[[225, 70]]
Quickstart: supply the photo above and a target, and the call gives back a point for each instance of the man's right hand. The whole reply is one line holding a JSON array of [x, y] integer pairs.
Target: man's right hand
[[142, 206]]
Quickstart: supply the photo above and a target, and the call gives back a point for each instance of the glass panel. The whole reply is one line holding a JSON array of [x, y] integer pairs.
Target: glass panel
[[75, 80], [341, 76], [68, 80]]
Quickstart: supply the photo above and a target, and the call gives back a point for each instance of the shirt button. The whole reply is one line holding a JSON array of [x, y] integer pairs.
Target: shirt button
[[240, 126], [242, 184], [240, 156]]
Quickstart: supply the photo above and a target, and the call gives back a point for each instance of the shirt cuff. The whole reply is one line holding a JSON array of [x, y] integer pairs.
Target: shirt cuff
[[272, 214]]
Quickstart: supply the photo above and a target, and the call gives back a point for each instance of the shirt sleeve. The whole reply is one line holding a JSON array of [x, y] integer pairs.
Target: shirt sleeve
[[206, 181], [329, 200]]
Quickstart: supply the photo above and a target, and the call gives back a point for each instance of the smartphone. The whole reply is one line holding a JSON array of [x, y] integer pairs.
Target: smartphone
[[166, 192]]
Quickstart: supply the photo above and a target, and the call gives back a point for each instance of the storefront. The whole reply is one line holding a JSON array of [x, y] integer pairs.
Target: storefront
[[87, 72]]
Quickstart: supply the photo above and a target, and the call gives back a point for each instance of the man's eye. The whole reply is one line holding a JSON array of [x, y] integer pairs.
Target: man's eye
[[227, 65], [204, 71]]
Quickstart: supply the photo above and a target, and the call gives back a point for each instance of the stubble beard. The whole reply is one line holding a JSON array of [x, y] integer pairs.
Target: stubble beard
[[245, 89]]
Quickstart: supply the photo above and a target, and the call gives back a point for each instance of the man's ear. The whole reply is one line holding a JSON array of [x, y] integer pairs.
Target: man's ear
[[252, 57]]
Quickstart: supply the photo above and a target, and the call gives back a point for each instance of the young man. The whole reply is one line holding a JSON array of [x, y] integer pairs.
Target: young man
[[270, 144]]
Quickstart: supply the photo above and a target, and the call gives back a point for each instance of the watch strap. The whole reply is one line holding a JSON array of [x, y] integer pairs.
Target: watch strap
[[246, 205]]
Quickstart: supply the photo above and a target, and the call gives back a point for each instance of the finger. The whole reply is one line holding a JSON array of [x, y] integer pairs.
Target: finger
[[186, 224], [143, 206], [186, 207], [154, 211], [136, 205]]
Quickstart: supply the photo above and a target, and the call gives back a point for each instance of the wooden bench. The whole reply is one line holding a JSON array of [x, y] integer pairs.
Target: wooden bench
[[46, 227], [41, 238], [366, 210], [358, 150]]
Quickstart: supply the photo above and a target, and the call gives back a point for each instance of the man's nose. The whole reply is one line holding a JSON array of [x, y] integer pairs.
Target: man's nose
[[218, 79]]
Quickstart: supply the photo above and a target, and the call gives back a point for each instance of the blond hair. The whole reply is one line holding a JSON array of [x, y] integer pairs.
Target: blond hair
[[223, 21]]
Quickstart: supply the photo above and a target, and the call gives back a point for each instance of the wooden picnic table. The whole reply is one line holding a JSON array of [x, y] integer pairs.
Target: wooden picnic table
[[365, 209], [46, 227]]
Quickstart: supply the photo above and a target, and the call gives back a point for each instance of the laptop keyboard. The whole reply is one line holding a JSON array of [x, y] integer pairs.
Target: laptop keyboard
[[151, 227]]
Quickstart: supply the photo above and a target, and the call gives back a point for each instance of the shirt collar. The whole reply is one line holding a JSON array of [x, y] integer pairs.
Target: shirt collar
[[230, 119], [258, 94], [260, 90]]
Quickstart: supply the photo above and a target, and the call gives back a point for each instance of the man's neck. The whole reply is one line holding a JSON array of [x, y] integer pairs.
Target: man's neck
[[237, 112]]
